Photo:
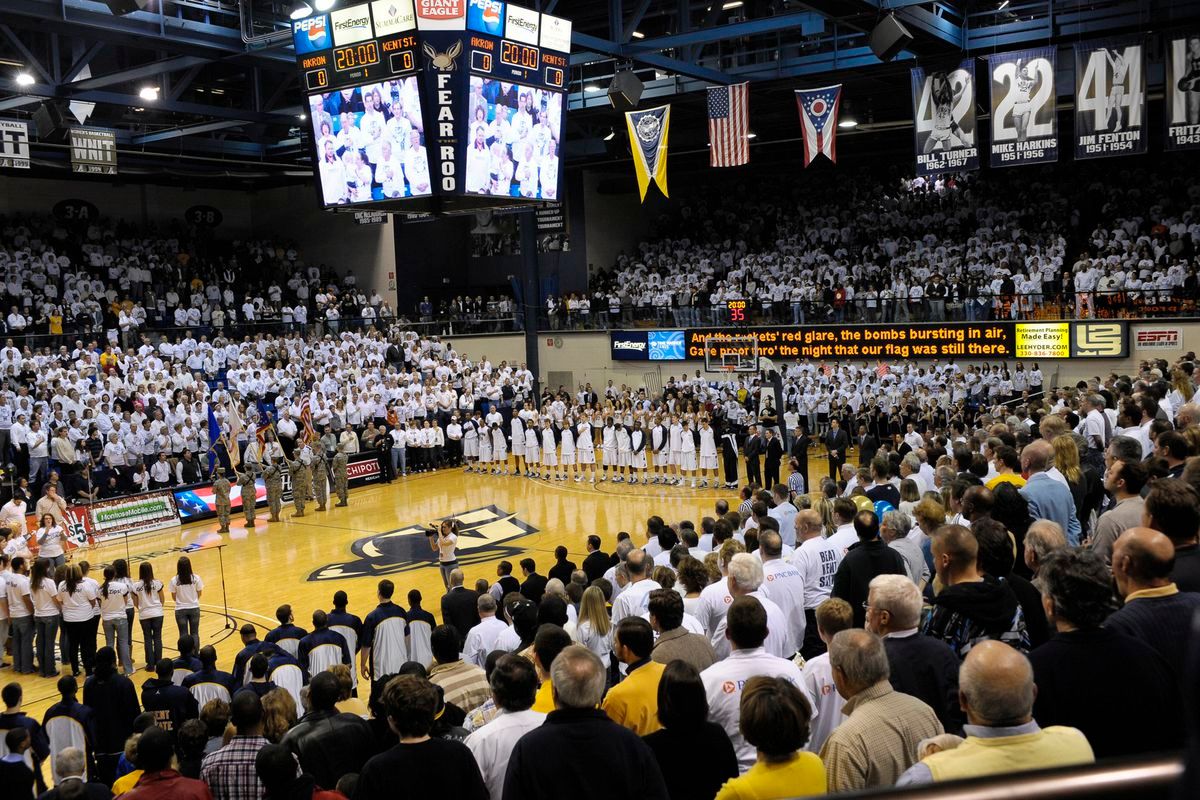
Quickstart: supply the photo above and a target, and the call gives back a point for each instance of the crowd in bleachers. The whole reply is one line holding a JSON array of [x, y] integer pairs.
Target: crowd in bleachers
[[952, 607], [975, 247]]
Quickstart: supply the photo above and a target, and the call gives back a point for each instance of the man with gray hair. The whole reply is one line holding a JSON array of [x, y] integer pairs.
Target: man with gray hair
[[784, 584], [1122, 447], [1047, 498], [894, 532], [635, 599], [996, 691], [1043, 538], [563, 755], [910, 467], [921, 666], [69, 766], [878, 741], [1096, 426], [624, 548], [482, 638], [1187, 414], [745, 580]]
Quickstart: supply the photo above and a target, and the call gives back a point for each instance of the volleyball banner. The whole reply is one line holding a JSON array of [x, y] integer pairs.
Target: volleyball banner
[[1182, 95], [648, 141], [1110, 98], [1024, 119], [944, 119]]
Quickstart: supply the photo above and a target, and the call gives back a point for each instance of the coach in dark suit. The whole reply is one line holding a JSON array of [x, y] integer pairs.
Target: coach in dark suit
[[597, 561], [836, 442], [458, 606], [799, 451], [773, 451], [868, 446], [752, 448]]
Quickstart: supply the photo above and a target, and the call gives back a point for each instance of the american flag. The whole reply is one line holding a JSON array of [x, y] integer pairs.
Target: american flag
[[881, 369], [306, 420], [819, 121], [729, 125]]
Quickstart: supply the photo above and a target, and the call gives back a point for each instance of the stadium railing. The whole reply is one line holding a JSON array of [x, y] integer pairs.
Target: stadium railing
[[1046, 306], [1141, 779]]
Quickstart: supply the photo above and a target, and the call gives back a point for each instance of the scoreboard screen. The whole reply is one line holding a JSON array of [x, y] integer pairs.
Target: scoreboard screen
[[435, 105]]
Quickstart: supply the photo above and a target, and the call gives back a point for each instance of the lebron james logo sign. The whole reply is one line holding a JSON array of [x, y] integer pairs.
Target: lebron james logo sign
[[483, 536]]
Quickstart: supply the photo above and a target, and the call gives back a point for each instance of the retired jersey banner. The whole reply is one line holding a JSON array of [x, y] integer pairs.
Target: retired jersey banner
[[944, 119], [1182, 99], [1024, 122], [1110, 98], [648, 140], [14, 144]]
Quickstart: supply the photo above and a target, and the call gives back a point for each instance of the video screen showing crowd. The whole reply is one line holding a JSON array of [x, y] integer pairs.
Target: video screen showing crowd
[[515, 135], [371, 142]]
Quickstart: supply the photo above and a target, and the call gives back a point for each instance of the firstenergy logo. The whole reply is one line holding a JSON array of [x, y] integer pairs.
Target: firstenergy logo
[[352, 25], [636, 346]]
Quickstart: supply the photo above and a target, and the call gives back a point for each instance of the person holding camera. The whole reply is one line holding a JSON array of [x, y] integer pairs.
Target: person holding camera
[[443, 540]]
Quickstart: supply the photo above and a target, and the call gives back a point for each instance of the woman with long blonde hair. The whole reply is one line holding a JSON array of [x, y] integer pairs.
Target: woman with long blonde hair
[[594, 630]]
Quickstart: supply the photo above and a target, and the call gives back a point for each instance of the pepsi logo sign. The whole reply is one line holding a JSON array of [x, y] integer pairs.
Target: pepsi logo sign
[[311, 35], [486, 16]]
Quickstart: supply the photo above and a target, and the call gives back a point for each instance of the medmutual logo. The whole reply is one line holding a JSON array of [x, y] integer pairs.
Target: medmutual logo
[[352, 25]]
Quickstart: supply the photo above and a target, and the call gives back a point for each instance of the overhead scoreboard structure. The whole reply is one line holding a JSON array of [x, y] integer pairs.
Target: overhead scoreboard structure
[[442, 106]]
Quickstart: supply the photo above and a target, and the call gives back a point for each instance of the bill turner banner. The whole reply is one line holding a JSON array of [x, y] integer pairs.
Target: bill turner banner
[[944, 119], [1110, 98], [1024, 123]]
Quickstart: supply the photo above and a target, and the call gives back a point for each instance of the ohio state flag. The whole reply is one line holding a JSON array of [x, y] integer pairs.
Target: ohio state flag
[[819, 120]]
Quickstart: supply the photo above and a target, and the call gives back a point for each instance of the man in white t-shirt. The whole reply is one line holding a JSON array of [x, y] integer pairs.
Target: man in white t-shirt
[[816, 560], [746, 579], [723, 682], [784, 585], [635, 599]]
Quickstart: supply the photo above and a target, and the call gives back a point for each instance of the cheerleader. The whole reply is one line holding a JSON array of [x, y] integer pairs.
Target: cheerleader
[[637, 446], [608, 449], [624, 453], [586, 451], [708, 454], [485, 447], [530, 447], [675, 445], [499, 450], [658, 445], [471, 443], [549, 451], [518, 445], [567, 454], [687, 454]]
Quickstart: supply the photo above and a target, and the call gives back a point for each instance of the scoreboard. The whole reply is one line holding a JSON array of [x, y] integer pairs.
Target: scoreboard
[[442, 106]]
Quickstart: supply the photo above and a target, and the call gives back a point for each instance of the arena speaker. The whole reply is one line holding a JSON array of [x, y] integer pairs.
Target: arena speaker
[[888, 38], [625, 91], [50, 121], [122, 7]]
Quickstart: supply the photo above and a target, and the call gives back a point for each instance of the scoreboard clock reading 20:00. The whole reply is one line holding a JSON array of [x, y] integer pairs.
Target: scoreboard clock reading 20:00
[[736, 312], [410, 102]]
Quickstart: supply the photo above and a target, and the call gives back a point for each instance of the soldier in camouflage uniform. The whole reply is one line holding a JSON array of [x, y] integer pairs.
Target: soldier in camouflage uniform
[[273, 477], [320, 485], [341, 480], [245, 480], [301, 482], [221, 493]]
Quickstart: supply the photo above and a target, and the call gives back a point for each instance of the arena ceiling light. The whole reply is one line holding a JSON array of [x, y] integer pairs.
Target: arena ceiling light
[[324, 5], [148, 93], [611, 133], [848, 123], [732, 5], [25, 79], [639, 35], [300, 10], [591, 87]]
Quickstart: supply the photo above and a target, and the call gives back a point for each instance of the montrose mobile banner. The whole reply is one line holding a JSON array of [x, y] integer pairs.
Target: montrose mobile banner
[[138, 513], [1110, 98], [1024, 122], [1182, 98], [944, 130]]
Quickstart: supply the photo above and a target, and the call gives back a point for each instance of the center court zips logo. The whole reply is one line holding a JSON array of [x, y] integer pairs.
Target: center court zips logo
[[482, 536]]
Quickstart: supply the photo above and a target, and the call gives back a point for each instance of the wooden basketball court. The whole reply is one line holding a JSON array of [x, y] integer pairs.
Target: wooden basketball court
[[247, 574]]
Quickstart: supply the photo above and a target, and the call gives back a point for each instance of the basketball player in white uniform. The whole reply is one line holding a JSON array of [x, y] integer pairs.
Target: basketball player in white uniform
[[1116, 92], [1022, 106], [945, 131]]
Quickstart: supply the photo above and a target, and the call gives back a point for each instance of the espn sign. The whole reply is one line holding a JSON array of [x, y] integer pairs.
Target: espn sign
[[1158, 338]]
